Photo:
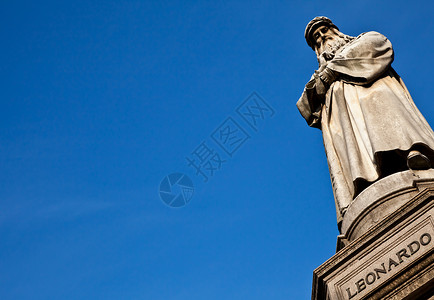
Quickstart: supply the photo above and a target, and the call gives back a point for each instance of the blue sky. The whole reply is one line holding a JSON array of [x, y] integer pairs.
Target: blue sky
[[102, 99]]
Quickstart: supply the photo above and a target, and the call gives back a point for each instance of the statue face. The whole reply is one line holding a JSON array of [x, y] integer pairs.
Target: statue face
[[325, 38]]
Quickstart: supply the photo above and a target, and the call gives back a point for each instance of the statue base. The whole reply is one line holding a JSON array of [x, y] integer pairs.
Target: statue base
[[386, 249]]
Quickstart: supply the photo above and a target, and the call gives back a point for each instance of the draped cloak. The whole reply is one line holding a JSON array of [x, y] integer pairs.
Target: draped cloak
[[367, 112]]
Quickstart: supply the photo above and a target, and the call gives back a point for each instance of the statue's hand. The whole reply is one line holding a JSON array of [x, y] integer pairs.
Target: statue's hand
[[328, 76], [323, 80], [323, 60]]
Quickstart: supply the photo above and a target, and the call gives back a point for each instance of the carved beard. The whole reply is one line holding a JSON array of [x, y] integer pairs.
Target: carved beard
[[331, 47]]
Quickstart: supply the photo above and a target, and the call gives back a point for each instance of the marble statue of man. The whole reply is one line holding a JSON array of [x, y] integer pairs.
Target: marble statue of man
[[370, 124]]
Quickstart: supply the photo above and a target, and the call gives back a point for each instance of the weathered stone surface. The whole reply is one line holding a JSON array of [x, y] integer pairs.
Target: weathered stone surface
[[379, 150], [370, 124], [381, 199], [393, 259]]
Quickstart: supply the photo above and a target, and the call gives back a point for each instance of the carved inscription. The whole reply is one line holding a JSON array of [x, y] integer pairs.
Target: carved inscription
[[393, 261]]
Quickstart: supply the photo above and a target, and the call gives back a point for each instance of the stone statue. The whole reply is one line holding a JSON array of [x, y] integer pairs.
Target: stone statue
[[370, 124]]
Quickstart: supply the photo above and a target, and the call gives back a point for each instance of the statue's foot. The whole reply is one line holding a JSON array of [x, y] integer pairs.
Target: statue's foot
[[417, 161]]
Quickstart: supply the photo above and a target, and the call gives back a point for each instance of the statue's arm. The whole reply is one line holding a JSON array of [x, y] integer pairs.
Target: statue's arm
[[310, 103], [364, 59]]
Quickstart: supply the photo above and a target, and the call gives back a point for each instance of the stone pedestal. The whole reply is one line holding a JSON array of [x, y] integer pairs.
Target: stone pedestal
[[386, 250]]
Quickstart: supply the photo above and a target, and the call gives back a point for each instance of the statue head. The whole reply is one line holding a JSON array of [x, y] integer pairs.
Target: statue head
[[324, 36], [313, 25]]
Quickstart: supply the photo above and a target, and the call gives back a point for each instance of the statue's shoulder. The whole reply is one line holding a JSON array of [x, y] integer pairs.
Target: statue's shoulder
[[372, 36]]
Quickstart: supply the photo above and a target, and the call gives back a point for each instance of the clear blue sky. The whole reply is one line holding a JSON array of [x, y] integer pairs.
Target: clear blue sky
[[100, 100]]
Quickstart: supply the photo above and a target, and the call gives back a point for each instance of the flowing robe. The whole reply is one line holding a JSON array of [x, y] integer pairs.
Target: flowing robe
[[366, 114]]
